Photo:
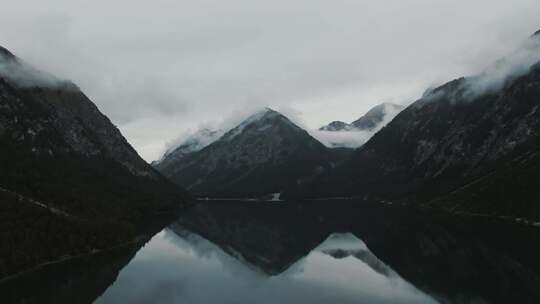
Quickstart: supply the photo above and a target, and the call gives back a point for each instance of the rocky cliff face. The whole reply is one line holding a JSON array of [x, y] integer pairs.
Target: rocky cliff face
[[266, 153], [465, 145]]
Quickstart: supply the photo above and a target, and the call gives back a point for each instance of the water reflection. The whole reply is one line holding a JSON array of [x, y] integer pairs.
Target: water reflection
[[301, 252], [186, 268]]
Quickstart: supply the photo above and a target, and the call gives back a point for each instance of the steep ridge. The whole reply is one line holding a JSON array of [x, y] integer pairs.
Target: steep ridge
[[471, 145], [194, 143], [60, 150], [376, 116], [264, 154]]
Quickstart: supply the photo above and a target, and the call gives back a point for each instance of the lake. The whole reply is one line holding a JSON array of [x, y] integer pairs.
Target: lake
[[306, 252]]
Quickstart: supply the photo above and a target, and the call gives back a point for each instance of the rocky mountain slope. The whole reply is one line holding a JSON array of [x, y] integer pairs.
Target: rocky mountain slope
[[266, 153], [59, 150], [471, 145], [193, 143]]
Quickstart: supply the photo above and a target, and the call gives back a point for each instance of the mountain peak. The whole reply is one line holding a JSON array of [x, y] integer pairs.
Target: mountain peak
[[195, 142], [536, 34], [258, 122], [376, 115], [6, 55], [263, 120], [266, 153], [265, 113], [336, 125], [368, 121]]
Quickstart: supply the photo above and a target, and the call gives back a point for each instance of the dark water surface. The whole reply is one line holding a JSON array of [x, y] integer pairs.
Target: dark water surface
[[309, 252]]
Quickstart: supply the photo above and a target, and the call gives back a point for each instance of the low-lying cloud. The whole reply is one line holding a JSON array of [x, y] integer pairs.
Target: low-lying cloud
[[158, 68], [492, 79], [342, 139], [354, 138], [506, 69], [21, 74]]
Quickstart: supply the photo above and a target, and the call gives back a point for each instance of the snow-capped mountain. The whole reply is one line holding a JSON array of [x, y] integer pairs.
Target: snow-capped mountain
[[265, 153], [472, 144], [339, 134], [193, 143]]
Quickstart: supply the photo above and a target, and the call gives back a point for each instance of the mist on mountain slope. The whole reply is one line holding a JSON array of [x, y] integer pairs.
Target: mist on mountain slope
[[353, 137], [508, 68], [494, 77], [207, 133], [24, 75]]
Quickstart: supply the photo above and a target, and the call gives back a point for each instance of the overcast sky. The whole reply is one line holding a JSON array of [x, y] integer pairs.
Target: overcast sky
[[159, 68]]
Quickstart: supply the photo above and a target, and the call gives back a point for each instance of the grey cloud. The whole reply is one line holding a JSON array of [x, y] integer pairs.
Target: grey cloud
[[510, 67], [21, 74], [175, 64]]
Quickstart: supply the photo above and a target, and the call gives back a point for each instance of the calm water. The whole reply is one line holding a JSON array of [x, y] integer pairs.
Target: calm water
[[303, 252], [186, 268]]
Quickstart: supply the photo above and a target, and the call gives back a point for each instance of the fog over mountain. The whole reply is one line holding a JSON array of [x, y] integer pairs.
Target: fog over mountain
[[157, 68], [339, 134], [265, 153], [471, 144]]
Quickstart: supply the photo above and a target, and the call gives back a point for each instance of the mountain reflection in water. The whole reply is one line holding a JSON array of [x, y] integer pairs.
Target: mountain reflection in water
[[303, 252], [186, 268]]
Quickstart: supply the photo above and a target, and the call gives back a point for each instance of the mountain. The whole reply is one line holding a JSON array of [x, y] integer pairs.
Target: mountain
[[375, 118], [70, 181], [336, 125], [384, 112], [193, 143], [266, 153], [339, 134], [470, 145]]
